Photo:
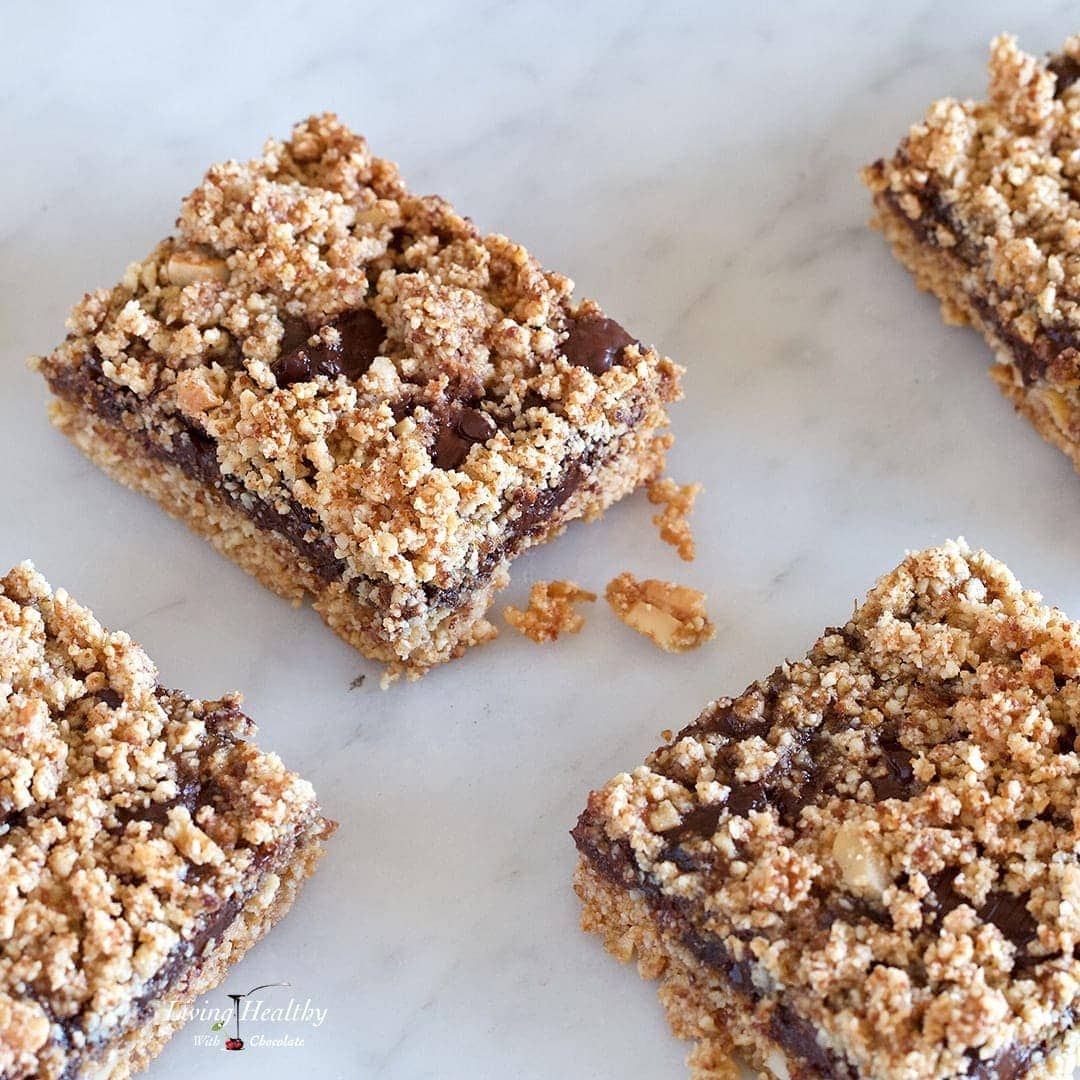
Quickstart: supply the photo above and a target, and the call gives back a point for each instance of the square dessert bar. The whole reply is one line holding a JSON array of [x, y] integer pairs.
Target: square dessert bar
[[356, 396], [867, 864], [144, 845], [980, 204]]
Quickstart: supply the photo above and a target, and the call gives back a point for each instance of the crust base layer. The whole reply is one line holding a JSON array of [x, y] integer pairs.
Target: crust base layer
[[133, 1052], [699, 1005], [941, 273], [433, 637]]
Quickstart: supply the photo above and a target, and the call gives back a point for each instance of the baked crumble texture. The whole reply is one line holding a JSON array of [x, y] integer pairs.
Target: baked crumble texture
[[677, 501], [144, 844], [866, 865], [551, 610], [672, 616], [979, 203], [355, 394]]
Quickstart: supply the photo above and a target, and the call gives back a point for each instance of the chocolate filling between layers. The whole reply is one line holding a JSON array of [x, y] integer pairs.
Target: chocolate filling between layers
[[1032, 358], [195, 454], [186, 957], [615, 862], [795, 782]]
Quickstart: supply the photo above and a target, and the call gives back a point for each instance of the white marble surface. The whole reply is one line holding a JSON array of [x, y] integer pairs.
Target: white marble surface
[[697, 173]]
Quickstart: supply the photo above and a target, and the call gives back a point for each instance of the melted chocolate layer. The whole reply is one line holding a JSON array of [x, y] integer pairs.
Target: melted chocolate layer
[[1032, 358], [195, 453], [615, 861]]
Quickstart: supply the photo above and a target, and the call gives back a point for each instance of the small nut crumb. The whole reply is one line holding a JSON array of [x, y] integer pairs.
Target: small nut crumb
[[550, 611], [672, 615], [1059, 408], [711, 1060], [193, 393], [859, 859], [193, 265], [674, 526]]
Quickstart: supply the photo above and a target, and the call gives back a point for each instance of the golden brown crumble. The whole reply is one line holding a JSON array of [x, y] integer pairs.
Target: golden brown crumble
[[317, 228], [678, 502], [885, 831], [673, 616], [993, 184], [127, 813], [551, 610]]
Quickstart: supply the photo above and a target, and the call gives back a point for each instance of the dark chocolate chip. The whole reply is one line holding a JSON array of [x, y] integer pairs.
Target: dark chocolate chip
[[942, 895], [360, 336], [789, 798], [475, 425], [899, 779], [456, 434], [189, 794], [682, 858], [450, 448], [1010, 915], [595, 342], [701, 821], [722, 720], [1005, 910], [1010, 1062], [747, 797], [1066, 70], [712, 951], [109, 697]]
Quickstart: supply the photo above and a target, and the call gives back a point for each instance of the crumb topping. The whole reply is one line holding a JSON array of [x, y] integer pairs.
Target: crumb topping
[[678, 502], [365, 353], [551, 610], [887, 830], [673, 616], [995, 183], [129, 814]]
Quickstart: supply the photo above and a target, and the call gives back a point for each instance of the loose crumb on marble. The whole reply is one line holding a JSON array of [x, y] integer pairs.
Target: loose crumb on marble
[[678, 502], [673, 616], [551, 610]]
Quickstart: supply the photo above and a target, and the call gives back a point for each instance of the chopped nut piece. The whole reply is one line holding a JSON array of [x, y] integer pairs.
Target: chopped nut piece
[[550, 611], [860, 861], [192, 265], [674, 527], [194, 394], [672, 615]]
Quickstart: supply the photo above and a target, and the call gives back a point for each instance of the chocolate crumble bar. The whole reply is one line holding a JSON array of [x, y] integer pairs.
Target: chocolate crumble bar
[[866, 865], [980, 204], [358, 397], [145, 846]]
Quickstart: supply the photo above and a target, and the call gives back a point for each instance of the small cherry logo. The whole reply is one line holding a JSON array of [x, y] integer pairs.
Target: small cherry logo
[[234, 1042]]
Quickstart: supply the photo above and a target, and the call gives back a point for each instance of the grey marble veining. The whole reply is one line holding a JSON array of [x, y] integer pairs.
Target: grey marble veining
[[695, 169]]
